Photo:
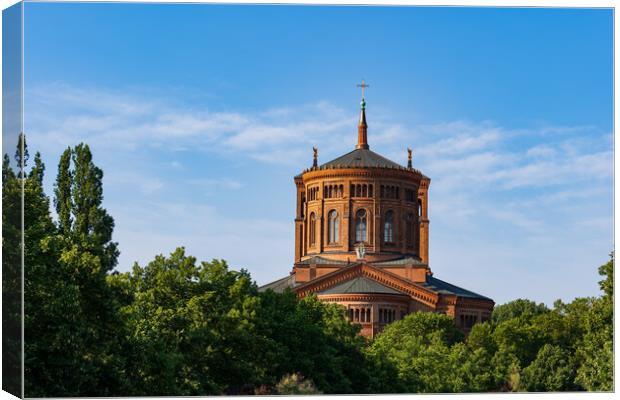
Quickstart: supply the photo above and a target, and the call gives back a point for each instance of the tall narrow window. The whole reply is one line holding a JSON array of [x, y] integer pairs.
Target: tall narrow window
[[333, 227], [419, 208], [312, 229], [388, 231], [360, 226], [409, 229]]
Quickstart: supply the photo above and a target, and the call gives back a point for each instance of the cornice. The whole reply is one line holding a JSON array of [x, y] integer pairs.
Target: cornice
[[476, 303], [370, 172], [362, 297]]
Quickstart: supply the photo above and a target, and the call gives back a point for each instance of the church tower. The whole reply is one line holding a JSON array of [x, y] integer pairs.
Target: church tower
[[362, 240]]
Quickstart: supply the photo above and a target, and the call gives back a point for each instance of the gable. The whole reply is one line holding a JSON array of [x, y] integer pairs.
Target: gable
[[374, 278], [359, 284]]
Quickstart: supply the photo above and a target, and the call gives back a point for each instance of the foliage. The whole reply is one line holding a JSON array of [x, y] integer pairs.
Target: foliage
[[190, 325], [73, 346], [419, 346], [596, 350], [295, 384], [11, 279], [551, 371], [518, 308]]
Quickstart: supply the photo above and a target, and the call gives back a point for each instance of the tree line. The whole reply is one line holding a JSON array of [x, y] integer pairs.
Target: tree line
[[177, 326]]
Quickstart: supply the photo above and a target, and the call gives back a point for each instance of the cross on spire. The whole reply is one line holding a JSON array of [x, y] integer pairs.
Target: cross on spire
[[363, 85], [362, 140]]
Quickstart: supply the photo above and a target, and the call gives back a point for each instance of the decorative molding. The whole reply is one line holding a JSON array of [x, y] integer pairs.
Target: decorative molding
[[402, 299], [370, 172]]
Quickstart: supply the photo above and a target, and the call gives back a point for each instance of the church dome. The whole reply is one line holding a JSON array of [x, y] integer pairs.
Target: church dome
[[361, 199], [361, 158], [361, 241]]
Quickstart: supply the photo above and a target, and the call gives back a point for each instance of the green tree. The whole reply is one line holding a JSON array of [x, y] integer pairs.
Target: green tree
[[419, 347], [595, 352], [191, 326], [50, 306], [11, 279], [73, 331], [518, 308], [316, 340], [553, 370]]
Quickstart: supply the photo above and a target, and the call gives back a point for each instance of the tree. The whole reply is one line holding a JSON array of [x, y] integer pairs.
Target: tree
[[518, 308], [595, 352], [191, 326], [73, 331], [419, 348], [11, 279], [553, 370], [316, 340], [50, 307]]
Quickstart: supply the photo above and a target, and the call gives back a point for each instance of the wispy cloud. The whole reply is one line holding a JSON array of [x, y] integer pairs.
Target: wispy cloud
[[60, 113], [225, 183]]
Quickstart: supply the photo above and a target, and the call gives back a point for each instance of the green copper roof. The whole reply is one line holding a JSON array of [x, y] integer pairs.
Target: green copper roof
[[359, 285], [280, 285], [361, 158], [321, 260], [439, 286], [399, 261]]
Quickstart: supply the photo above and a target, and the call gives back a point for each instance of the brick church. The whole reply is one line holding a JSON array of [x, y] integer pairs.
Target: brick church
[[361, 240]]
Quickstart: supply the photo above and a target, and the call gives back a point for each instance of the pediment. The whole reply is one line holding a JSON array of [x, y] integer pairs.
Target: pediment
[[360, 276]]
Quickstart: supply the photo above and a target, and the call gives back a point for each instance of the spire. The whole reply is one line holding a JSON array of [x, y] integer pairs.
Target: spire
[[362, 128], [409, 157]]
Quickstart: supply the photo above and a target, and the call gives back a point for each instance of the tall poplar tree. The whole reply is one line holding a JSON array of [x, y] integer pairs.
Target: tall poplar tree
[[11, 279], [51, 312], [88, 252]]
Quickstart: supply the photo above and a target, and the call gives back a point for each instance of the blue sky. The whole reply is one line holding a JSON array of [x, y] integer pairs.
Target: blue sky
[[200, 115]]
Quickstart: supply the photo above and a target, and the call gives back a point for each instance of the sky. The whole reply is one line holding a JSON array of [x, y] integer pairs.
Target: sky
[[200, 116]]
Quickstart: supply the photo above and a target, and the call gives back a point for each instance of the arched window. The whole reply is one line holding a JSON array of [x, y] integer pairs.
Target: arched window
[[419, 208], [388, 231], [409, 228], [333, 227], [312, 229], [360, 226]]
